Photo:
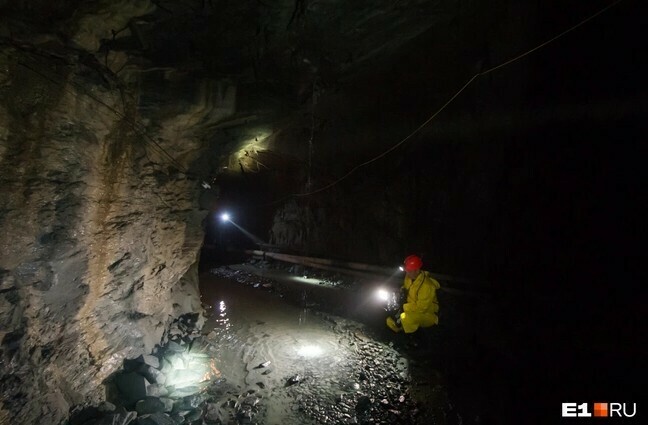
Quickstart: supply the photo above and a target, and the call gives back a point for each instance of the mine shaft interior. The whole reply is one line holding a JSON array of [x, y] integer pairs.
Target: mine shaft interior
[[321, 211]]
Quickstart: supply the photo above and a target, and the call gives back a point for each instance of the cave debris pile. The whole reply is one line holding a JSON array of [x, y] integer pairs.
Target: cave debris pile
[[245, 278], [177, 385]]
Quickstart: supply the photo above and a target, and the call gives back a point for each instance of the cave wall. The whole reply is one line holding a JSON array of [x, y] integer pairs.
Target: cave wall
[[100, 229], [437, 193], [490, 186]]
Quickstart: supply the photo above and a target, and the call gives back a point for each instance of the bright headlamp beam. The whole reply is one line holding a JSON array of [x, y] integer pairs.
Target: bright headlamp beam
[[225, 217], [382, 294], [310, 351]]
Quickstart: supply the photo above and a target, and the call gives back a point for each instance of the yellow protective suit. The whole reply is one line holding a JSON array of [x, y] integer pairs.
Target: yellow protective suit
[[422, 304]]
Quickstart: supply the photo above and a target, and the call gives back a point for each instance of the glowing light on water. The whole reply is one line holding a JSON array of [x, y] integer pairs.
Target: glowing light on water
[[304, 279], [310, 351], [212, 372], [222, 316]]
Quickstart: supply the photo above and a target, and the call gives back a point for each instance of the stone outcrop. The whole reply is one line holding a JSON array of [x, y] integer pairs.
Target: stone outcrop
[[100, 222]]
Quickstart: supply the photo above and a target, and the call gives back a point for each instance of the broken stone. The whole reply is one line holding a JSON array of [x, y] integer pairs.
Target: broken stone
[[363, 404], [189, 319], [175, 361], [149, 405], [185, 376], [153, 375], [188, 403], [177, 418], [184, 391], [244, 415], [155, 419], [174, 347], [120, 417], [199, 354], [149, 360], [175, 338], [294, 380], [250, 401], [213, 414], [144, 359], [264, 364], [132, 386], [193, 415], [168, 404], [166, 365], [157, 390], [106, 407]]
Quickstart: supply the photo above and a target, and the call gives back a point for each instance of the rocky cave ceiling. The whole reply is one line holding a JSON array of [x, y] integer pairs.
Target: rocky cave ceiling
[[273, 59], [246, 85]]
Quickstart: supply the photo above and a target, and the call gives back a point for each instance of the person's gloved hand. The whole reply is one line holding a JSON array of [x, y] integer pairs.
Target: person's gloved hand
[[397, 316], [407, 307], [402, 295]]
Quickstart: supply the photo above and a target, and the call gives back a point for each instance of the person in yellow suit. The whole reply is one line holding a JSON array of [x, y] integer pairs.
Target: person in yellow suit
[[422, 306]]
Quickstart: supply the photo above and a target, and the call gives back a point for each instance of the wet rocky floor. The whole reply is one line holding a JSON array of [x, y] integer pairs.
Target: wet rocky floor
[[307, 366], [266, 354]]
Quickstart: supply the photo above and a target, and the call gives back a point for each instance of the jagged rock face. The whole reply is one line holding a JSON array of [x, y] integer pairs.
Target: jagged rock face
[[100, 231]]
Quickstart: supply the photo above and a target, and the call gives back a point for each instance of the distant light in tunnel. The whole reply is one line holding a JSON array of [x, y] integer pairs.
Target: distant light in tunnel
[[310, 351], [225, 217], [401, 268]]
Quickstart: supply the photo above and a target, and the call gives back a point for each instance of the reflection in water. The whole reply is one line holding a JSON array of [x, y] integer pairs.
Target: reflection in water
[[310, 351], [302, 317], [222, 321], [260, 343]]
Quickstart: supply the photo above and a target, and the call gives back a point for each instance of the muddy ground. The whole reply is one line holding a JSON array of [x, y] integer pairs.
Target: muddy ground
[[284, 345], [288, 341]]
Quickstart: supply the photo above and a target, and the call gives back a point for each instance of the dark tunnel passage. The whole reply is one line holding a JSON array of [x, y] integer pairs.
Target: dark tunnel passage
[[499, 142]]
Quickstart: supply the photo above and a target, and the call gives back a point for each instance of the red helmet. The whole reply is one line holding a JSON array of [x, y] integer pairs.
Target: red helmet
[[413, 262]]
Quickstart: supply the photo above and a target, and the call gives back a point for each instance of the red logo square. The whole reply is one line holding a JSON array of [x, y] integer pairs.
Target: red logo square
[[600, 409]]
